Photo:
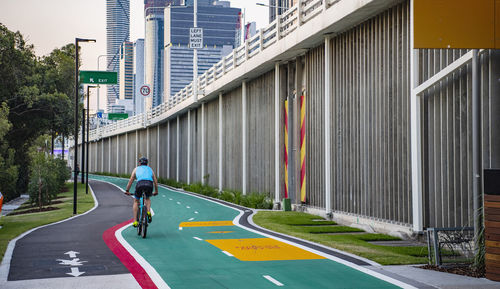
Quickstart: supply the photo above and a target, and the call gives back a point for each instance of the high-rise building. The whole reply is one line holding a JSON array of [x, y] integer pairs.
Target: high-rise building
[[154, 46], [220, 24], [126, 75], [138, 76], [281, 6], [117, 32]]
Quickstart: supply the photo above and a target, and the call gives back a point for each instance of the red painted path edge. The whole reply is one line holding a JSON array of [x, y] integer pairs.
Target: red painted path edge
[[126, 258]]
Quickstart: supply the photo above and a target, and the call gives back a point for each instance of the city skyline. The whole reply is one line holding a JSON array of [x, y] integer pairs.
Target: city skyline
[[63, 22]]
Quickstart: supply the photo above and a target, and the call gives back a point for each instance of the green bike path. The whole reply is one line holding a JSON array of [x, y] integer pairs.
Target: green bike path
[[188, 248]]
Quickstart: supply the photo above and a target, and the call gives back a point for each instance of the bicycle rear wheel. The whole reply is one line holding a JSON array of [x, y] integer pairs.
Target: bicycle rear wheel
[[144, 222]]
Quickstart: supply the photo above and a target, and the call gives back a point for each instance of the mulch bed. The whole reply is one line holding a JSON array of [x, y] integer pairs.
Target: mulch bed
[[37, 210], [464, 270]]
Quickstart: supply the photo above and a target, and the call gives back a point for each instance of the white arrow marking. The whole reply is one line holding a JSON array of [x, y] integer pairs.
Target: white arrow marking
[[75, 272], [72, 254], [72, 262]]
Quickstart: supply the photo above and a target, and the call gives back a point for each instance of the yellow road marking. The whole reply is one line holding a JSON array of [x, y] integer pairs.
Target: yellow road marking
[[262, 249], [220, 232], [206, 224]]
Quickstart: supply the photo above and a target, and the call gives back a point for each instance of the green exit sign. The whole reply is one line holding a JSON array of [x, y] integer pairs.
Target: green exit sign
[[117, 116], [98, 77]]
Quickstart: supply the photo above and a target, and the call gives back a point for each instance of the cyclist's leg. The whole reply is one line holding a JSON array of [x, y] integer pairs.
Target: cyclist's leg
[[148, 204], [135, 208]]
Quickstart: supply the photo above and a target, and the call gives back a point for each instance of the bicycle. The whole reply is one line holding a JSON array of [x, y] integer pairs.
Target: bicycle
[[142, 217]]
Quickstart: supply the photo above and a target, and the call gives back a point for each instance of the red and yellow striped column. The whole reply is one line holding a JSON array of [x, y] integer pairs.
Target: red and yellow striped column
[[302, 148], [286, 149]]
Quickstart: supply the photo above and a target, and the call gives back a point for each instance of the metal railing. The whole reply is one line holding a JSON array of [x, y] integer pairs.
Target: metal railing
[[284, 24]]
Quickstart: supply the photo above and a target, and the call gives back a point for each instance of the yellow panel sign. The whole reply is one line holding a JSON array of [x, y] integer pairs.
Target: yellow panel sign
[[262, 249], [206, 224], [456, 24]]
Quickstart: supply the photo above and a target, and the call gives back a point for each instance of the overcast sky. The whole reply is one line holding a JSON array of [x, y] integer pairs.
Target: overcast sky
[[49, 24]]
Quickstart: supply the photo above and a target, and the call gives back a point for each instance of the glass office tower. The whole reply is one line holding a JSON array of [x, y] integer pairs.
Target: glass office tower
[[117, 32]]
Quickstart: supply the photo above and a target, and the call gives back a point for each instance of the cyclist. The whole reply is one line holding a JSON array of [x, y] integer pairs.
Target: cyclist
[[145, 180]]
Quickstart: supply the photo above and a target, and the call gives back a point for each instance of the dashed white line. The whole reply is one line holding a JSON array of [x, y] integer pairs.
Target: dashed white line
[[191, 219], [197, 238], [227, 253], [195, 212], [164, 196], [178, 203], [180, 228], [276, 282], [170, 199], [188, 207]]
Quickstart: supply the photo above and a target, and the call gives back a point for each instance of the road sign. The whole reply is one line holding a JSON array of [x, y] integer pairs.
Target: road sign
[[98, 77], [145, 90], [196, 37], [117, 116]]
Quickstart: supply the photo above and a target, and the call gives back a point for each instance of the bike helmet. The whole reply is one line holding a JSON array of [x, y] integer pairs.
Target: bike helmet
[[143, 161]]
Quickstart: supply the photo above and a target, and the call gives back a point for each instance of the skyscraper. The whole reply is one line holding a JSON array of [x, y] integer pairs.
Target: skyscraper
[[126, 75], [138, 76], [220, 26], [154, 46], [117, 32]]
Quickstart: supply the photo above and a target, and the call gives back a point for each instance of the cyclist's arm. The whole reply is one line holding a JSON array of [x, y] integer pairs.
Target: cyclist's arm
[[130, 181], [155, 181]]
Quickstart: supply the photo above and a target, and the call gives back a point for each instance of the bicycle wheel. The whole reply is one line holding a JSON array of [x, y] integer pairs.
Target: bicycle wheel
[[144, 222], [139, 225]]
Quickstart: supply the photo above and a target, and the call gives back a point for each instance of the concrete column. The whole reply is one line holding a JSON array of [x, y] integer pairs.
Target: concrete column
[[147, 143], [328, 77], [277, 133], [102, 155], [177, 148], [136, 146], [203, 140], [126, 152], [109, 154], [244, 136], [189, 149], [117, 153], [158, 152], [168, 150], [416, 152], [220, 141]]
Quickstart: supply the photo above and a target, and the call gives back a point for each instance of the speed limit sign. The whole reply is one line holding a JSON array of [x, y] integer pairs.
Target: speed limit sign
[[145, 90]]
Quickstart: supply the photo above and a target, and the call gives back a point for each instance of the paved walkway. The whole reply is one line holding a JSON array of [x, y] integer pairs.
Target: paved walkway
[[13, 204], [194, 243]]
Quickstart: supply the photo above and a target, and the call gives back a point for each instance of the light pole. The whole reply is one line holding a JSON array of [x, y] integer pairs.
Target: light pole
[[77, 100], [87, 142]]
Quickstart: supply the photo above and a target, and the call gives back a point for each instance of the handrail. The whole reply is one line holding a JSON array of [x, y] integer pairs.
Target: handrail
[[283, 25]]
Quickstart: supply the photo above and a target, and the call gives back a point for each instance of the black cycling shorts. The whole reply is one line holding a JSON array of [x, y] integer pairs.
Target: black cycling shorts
[[143, 186]]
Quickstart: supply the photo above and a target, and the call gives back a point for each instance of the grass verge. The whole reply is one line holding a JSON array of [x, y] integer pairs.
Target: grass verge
[[15, 225], [307, 226]]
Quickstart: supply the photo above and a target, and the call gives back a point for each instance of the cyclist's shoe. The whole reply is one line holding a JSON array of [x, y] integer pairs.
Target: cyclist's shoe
[[135, 223], [150, 218]]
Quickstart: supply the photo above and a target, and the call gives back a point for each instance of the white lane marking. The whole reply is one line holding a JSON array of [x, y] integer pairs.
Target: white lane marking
[[227, 253], [170, 199], [180, 228], [153, 274], [191, 219], [197, 238], [276, 282], [178, 203], [188, 207], [164, 196], [195, 212], [328, 256]]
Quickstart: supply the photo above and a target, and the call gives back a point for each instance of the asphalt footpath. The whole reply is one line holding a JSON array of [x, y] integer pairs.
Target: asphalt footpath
[[74, 248]]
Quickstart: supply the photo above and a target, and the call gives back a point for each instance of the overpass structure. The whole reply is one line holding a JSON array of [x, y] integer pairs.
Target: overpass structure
[[331, 106]]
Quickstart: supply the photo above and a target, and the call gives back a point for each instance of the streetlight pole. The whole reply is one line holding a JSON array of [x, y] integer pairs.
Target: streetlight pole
[[77, 100], [87, 142]]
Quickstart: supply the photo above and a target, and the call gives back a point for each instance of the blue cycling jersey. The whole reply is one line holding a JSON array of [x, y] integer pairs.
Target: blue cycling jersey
[[144, 173]]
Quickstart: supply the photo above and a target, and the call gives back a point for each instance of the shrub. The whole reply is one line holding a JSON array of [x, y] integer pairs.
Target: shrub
[[47, 178]]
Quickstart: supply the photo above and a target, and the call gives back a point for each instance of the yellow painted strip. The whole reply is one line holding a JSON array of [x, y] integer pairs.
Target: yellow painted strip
[[206, 224], [262, 249], [220, 232]]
